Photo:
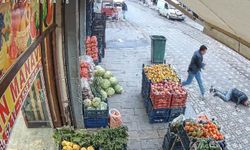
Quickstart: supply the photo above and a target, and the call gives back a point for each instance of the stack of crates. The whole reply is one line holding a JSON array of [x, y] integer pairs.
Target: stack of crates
[[157, 115], [160, 101], [99, 30], [89, 17], [161, 109], [145, 89], [95, 118]]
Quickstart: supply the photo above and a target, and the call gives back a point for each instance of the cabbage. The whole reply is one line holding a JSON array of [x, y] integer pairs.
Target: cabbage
[[87, 102], [107, 75], [96, 102], [110, 91], [113, 81], [118, 89], [98, 67], [99, 71], [103, 106], [104, 95], [105, 84]]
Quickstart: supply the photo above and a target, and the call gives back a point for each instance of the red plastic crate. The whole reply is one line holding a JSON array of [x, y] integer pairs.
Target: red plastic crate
[[161, 103], [179, 100], [167, 97]]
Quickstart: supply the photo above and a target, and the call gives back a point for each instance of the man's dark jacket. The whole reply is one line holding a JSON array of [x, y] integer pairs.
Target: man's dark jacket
[[196, 63], [124, 6], [238, 97]]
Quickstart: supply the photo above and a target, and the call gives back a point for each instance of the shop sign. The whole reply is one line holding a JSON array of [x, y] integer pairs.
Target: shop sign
[[19, 27], [12, 99]]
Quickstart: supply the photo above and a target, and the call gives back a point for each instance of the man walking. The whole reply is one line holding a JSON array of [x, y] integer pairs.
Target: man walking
[[124, 9], [194, 69]]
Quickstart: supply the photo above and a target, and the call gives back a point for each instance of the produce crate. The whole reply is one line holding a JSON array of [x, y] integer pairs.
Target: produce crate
[[95, 113], [161, 103], [157, 112], [124, 147], [99, 16], [99, 27], [178, 100], [96, 62], [99, 30], [158, 119], [145, 91], [146, 101], [96, 122], [175, 112], [60, 147]]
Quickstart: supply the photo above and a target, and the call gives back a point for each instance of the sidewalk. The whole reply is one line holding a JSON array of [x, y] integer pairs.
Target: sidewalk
[[128, 47], [127, 51]]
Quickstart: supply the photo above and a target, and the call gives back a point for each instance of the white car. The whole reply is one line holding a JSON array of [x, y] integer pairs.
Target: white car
[[169, 11]]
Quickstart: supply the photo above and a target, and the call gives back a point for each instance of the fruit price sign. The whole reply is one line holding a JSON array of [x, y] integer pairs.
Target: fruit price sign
[[12, 99]]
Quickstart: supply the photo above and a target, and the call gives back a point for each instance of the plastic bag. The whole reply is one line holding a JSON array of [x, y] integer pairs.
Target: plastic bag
[[202, 118], [115, 118], [86, 90], [177, 121], [89, 60]]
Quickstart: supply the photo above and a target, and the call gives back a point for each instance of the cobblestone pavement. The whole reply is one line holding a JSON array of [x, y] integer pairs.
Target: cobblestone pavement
[[128, 47]]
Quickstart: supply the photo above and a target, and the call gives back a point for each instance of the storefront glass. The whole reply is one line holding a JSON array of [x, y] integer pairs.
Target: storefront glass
[[34, 110]]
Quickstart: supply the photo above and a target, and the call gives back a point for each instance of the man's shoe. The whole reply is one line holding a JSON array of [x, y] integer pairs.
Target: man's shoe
[[203, 97], [211, 89]]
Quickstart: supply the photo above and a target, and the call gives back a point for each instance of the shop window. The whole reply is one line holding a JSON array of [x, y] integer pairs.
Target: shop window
[[34, 109]]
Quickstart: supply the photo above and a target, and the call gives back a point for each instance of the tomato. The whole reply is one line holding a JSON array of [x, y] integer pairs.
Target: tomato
[[191, 129]]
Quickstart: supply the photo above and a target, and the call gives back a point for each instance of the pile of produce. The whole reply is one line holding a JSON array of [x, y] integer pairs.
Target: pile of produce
[[115, 118], [201, 133], [167, 94], [95, 104], [203, 130], [72, 146], [167, 88], [106, 139], [86, 90], [84, 70], [91, 47], [202, 144], [105, 84], [159, 72]]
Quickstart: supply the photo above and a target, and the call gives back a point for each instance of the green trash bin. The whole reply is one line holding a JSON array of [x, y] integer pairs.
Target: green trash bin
[[158, 45]]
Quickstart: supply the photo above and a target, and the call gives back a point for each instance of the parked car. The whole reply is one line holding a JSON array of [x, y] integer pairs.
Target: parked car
[[107, 8], [169, 11]]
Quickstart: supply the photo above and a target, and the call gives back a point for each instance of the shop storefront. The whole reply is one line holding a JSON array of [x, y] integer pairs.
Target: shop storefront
[[27, 78]]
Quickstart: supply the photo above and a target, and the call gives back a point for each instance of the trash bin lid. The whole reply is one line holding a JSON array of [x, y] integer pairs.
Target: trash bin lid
[[158, 37]]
